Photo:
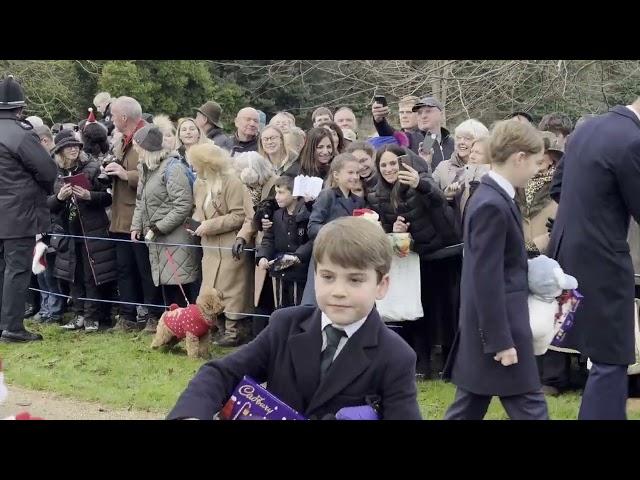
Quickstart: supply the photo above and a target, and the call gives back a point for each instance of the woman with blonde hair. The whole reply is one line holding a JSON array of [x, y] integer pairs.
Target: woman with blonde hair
[[219, 207], [272, 146], [189, 134]]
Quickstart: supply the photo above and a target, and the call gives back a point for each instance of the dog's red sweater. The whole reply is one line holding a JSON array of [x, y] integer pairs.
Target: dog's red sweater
[[183, 320]]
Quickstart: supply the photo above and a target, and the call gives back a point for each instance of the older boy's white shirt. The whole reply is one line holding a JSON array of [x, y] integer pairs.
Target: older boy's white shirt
[[630, 107], [348, 329], [503, 183]]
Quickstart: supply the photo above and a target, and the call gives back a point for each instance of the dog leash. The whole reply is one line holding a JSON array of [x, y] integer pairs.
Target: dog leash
[[175, 273]]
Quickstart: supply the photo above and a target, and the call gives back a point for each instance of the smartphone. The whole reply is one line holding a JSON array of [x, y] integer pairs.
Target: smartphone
[[191, 224], [380, 99], [401, 160]]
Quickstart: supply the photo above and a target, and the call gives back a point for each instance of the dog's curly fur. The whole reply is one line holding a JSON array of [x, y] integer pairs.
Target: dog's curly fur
[[211, 305]]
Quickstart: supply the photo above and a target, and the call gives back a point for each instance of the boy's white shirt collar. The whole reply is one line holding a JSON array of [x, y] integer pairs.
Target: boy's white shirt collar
[[348, 329], [503, 183], [630, 107]]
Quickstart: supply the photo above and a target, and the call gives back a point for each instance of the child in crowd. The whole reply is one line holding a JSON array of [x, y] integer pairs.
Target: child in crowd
[[335, 201], [286, 248]]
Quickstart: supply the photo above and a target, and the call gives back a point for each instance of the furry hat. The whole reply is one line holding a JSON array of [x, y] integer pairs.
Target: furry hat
[[95, 139], [398, 138], [253, 168]]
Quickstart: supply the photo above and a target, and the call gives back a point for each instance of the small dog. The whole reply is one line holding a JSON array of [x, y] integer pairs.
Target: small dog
[[193, 323]]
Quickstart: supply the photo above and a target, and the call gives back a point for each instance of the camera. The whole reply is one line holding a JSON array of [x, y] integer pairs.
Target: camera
[[103, 178]]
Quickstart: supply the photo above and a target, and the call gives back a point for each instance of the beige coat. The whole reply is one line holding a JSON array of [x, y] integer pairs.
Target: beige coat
[[222, 218], [124, 191]]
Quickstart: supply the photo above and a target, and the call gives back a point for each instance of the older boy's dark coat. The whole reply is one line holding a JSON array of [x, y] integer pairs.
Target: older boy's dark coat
[[494, 314]]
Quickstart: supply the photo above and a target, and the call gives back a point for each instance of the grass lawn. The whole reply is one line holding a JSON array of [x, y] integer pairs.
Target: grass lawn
[[121, 370]]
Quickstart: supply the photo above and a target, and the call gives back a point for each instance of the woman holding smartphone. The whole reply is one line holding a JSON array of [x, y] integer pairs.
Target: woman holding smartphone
[[407, 200]]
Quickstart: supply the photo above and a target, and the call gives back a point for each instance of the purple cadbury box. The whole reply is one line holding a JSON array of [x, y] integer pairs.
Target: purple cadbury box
[[564, 320], [250, 401]]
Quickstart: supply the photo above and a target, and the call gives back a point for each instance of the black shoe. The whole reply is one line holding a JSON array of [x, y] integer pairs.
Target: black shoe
[[19, 337]]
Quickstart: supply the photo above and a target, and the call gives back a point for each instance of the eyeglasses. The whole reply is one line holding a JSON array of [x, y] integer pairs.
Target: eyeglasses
[[270, 139]]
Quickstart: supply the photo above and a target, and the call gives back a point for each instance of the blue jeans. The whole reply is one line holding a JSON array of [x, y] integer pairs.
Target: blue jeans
[[51, 306]]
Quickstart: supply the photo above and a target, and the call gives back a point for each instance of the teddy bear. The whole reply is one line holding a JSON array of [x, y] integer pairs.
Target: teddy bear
[[194, 323], [547, 281]]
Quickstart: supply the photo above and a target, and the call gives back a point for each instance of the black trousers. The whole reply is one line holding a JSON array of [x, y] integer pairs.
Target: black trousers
[[33, 298], [16, 255], [84, 286], [173, 294], [564, 371], [440, 295], [266, 306], [605, 395], [135, 284], [470, 406]]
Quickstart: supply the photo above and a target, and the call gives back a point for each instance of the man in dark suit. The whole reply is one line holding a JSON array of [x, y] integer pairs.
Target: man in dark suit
[[319, 360], [599, 194]]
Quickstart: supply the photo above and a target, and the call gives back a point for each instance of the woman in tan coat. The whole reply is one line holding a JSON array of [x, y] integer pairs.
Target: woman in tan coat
[[218, 196], [534, 201]]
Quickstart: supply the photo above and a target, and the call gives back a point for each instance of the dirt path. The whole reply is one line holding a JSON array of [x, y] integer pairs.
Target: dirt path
[[56, 407]]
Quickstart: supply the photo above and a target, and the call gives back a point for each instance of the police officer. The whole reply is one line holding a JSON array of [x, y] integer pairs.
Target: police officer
[[26, 178]]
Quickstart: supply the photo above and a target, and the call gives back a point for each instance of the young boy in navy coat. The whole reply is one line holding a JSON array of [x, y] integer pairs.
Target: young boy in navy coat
[[287, 236], [319, 360], [493, 350]]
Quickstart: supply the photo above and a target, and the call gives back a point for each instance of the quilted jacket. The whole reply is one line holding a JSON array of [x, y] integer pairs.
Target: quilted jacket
[[166, 201]]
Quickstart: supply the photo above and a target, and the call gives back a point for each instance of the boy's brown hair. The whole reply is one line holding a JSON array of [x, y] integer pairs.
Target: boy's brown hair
[[408, 100], [354, 242], [285, 181], [509, 137], [321, 111]]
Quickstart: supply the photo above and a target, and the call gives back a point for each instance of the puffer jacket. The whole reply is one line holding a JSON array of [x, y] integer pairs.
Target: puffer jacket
[[91, 222], [431, 218], [164, 201]]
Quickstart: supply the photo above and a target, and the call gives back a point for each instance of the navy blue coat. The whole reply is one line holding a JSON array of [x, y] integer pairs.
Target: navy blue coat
[[329, 205], [494, 314], [600, 191], [375, 361]]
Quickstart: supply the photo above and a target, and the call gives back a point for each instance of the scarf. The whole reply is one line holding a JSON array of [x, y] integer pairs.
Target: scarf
[[534, 185]]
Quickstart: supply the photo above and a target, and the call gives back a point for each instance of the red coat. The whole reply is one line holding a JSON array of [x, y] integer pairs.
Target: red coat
[[183, 320]]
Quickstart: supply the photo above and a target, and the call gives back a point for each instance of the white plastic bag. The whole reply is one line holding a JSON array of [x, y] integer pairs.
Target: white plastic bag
[[402, 301]]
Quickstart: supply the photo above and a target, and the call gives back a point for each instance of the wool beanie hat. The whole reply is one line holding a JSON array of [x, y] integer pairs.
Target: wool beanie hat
[[149, 138]]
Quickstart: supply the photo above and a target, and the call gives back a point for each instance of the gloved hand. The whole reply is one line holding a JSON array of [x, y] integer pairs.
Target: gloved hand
[[238, 248], [549, 224]]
